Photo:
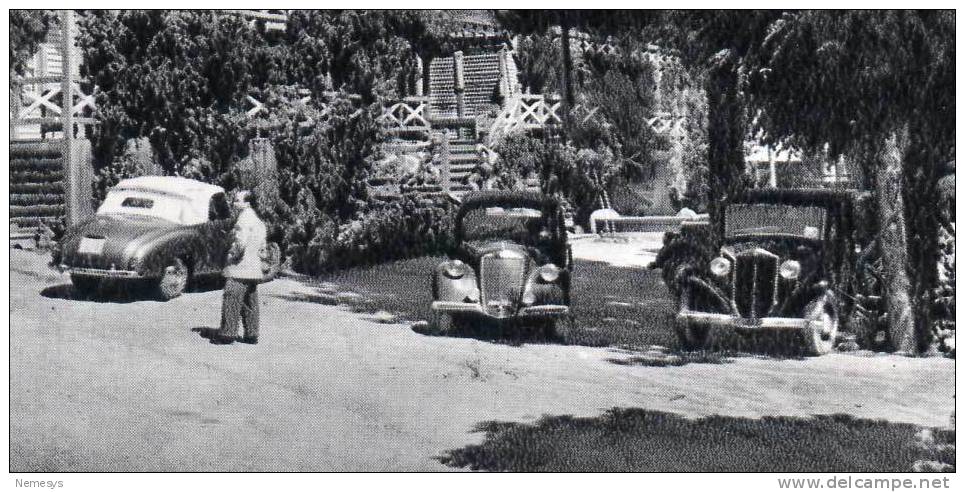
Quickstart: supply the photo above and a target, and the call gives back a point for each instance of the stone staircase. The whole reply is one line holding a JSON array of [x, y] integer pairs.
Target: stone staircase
[[481, 79], [463, 160], [442, 83], [481, 73], [37, 178], [481, 84]]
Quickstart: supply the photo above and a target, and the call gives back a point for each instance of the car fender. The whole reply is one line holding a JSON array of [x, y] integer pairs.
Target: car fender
[[694, 284], [804, 294], [547, 292], [152, 252], [445, 288]]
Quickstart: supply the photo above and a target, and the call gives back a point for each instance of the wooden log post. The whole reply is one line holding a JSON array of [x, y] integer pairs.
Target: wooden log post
[[77, 152], [504, 83], [440, 157], [419, 89], [459, 84]]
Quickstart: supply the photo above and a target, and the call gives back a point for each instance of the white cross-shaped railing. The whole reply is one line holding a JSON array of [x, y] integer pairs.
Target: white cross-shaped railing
[[409, 113], [258, 108], [40, 93]]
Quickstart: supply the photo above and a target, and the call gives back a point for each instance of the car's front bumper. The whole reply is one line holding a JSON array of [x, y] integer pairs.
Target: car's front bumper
[[544, 311], [738, 323], [101, 273]]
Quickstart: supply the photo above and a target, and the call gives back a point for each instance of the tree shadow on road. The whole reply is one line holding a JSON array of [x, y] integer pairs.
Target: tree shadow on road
[[639, 440]]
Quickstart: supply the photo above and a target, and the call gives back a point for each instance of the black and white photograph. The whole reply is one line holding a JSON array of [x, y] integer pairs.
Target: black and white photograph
[[494, 240]]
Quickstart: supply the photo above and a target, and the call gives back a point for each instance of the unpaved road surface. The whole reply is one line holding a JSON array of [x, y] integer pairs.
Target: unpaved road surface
[[129, 386]]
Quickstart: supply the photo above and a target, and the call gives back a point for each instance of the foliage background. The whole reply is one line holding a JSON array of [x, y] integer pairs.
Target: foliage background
[[180, 80]]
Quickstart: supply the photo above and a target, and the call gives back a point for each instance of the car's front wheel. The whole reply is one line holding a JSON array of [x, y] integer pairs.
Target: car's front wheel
[[822, 331], [693, 337], [85, 285], [174, 279], [441, 323], [690, 335]]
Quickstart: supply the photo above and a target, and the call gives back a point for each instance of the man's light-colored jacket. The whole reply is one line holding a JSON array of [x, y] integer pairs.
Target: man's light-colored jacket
[[249, 241]]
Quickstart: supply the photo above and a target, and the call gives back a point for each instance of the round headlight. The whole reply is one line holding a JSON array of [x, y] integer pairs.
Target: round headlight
[[720, 266], [790, 270], [549, 272], [455, 269]]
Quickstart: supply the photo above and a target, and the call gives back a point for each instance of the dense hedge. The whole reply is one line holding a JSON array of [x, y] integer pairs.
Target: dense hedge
[[411, 226], [577, 171]]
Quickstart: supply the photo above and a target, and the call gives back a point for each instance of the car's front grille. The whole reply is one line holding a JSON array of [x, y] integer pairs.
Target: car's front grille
[[501, 281], [755, 282]]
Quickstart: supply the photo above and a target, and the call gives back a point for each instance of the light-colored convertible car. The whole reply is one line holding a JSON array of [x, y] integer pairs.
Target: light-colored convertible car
[[161, 230]]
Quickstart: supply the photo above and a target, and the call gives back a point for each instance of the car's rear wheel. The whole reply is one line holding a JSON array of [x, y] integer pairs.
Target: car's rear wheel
[[174, 279], [822, 331], [85, 285]]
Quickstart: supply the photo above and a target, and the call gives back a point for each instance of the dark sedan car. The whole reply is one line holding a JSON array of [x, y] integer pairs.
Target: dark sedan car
[[794, 260], [511, 261], [156, 229]]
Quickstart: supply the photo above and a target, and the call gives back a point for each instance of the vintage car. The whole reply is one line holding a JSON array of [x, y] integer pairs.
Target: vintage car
[[160, 230], [783, 259], [511, 262]]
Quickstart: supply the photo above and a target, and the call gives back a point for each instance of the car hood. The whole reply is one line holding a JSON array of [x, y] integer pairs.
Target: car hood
[[785, 247], [472, 251], [122, 235]]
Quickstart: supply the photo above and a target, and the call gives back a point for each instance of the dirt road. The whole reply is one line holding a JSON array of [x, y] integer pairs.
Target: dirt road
[[129, 386]]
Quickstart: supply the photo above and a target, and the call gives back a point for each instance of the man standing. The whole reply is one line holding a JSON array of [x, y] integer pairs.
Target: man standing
[[243, 273]]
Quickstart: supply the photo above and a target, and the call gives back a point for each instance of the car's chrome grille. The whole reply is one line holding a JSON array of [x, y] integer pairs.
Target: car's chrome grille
[[501, 282], [755, 279]]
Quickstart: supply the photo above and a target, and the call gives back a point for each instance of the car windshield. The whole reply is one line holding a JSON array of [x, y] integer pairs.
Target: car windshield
[[149, 204], [518, 224], [767, 219]]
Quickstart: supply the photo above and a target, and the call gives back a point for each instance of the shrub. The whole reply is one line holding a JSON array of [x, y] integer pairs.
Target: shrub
[[693, 246], [412, 226]]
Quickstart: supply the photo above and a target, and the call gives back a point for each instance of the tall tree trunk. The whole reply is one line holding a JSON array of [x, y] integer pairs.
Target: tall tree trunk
[[726, 128], [894, 243], [568, 96], [924, 209]]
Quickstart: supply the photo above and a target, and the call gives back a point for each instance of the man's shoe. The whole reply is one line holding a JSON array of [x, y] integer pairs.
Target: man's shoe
[[221, 340], [249, 340]]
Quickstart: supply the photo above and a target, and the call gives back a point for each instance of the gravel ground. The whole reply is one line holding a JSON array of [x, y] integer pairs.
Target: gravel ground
[[129, 385]]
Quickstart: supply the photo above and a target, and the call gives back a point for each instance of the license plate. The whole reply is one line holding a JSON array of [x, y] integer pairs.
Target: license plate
[[91, 246]]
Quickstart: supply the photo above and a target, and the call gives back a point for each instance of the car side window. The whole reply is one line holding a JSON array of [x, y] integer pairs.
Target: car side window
[[218, 208]]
